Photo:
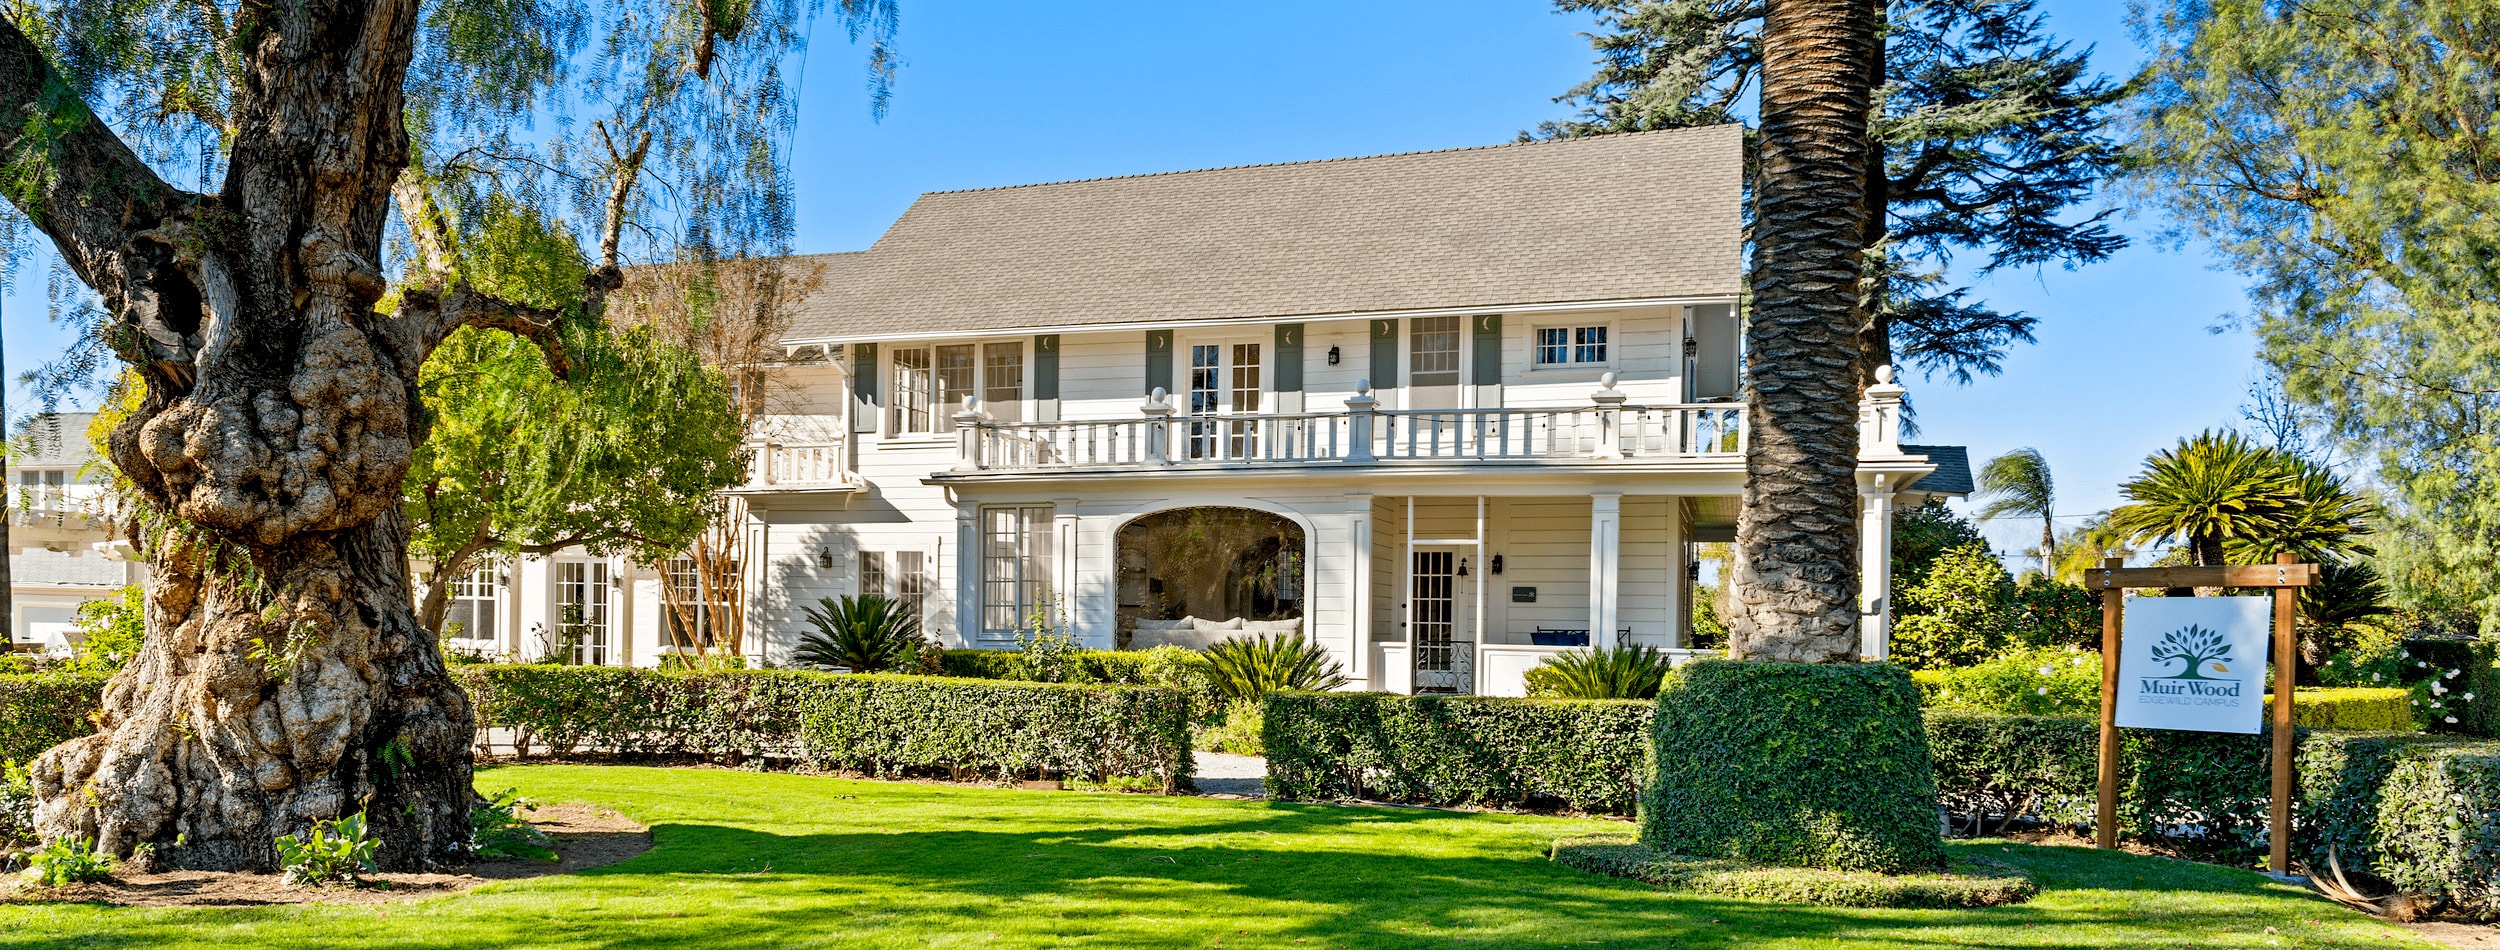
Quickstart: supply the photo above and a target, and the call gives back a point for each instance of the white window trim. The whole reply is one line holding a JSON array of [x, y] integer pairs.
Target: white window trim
[[1614, 349]]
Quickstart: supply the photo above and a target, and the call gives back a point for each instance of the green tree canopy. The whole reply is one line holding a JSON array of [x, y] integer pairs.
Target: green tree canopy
[[2223, 497], [2346, 155], [1990, 134], [2018, 483]]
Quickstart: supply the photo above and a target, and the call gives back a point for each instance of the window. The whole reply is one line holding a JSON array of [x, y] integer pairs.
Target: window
[[697, 608], [904, 581], [1206, 372], [1015, 566], [1002, 381], [1571, 346], [582, 595], [476, 603], [1242, 437], [1432, 351], [930, 383], [43, 489]]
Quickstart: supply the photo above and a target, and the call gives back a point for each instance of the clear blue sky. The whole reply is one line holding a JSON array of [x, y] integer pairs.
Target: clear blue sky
[[1000, 93]]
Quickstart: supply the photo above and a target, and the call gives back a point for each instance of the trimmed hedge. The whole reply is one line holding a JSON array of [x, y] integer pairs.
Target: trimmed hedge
[[42, 710], [1167, 667], [1978, 882], [2438, 828], [880, 724], [2367, 709], [1587, 755], [1810, 764]]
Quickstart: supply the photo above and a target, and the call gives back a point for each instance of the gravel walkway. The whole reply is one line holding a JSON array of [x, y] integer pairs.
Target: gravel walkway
[[1242, 776]]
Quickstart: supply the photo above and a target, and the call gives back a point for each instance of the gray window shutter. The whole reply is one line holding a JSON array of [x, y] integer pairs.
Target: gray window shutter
[[1714, 351], [1046, 378], [1488, 361], [1384, 349], [866, 408], [1158, 361], [1288, 373]]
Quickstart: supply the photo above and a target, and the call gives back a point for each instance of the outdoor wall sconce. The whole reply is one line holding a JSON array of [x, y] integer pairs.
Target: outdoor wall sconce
[[1332, 356], [1692, 347], [824, 558], [1497, 564], [1462, 567]]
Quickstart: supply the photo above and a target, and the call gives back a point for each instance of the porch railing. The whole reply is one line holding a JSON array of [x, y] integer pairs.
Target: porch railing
[[1606, 429]]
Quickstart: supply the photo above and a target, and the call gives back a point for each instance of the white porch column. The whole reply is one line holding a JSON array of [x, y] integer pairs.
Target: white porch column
[[1875, 567], [1605, 565], [1359, 596], [1063, 574], [967, 573]]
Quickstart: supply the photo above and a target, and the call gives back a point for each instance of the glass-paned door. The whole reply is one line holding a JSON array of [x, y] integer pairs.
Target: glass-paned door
[[1224, 379], [1444, 656], [583, 598]]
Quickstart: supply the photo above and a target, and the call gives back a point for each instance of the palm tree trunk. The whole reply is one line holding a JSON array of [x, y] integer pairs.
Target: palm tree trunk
[[1797, 535]]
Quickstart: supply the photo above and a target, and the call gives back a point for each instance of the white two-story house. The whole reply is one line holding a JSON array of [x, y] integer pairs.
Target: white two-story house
[[1444, 412]]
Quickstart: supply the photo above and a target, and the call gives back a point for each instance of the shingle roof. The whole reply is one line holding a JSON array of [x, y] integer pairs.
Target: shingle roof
[[1952, 474], [1617, 217]]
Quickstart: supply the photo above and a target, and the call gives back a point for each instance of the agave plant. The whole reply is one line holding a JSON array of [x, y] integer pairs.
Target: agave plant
[[1622, 672], [1249, 668], [867, 634]]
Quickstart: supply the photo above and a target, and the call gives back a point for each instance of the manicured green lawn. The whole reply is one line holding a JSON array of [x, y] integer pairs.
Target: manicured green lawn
[[749, 860]]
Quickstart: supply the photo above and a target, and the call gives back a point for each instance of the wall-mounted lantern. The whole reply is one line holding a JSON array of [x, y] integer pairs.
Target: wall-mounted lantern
[[824, 558], [1462, 567], [1333, 356], [1497, 564]]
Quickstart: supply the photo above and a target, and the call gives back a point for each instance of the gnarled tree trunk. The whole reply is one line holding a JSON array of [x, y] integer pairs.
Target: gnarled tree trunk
[[1797, 535], [285, 679]]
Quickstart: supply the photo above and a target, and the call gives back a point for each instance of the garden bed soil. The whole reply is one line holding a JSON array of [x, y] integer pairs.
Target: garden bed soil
[[585, 837]]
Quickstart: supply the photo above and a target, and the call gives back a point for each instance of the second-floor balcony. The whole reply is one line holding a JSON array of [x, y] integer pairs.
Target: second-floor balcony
[[1606, 431], [820, 464]]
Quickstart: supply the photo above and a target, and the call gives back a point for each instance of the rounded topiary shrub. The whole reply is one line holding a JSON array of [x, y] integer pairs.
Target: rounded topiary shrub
[[1806, 764]]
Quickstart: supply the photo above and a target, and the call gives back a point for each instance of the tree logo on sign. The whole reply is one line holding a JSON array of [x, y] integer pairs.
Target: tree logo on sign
[[2196, 646]]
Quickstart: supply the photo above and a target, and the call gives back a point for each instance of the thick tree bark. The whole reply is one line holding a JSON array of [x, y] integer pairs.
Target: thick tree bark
[[1797, 534], [285, 679]]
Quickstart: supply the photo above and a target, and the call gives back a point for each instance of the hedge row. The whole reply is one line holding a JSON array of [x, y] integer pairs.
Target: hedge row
[[879, 724], [2369, 709], [42, 710], [1166, 667], [1588, 755]]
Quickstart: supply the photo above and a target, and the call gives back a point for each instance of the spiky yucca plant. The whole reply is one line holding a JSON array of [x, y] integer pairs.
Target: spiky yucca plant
[[868, 634], [1249, 668], [1622, 672]]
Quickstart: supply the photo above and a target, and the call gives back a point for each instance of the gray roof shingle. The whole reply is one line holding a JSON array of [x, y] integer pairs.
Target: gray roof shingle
[[1617, 217], [1952, 475]]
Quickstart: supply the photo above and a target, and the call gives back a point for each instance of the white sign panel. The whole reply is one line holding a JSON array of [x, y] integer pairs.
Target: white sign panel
[[2194, 663]]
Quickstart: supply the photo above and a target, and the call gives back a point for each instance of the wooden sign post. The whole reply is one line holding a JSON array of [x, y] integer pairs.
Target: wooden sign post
[[2284, 576]]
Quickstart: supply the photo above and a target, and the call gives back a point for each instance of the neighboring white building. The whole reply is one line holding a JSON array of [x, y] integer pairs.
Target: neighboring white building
[[60, 553]]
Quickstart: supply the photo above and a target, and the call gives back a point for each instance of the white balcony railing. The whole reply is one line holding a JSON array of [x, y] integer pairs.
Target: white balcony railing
[[1711, 433], [799, 465]]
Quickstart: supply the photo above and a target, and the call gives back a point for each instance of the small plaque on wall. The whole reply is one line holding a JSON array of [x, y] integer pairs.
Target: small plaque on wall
[[1523, 595]]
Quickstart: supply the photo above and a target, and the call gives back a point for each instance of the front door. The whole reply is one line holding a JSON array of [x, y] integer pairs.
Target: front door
[[582, 598], [1444, 649]]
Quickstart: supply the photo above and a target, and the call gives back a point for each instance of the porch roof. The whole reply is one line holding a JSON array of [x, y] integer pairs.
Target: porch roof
[[1952, 475], [1639, 216]]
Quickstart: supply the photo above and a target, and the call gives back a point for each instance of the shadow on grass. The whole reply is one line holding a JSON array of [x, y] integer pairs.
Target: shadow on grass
[[1274, 875]]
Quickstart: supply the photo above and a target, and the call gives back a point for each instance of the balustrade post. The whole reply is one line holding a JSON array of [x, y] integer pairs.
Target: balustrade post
[[968, 422], [1158, 410], [1879, 415], [764, 452], [1609, 418], [1360, 409]]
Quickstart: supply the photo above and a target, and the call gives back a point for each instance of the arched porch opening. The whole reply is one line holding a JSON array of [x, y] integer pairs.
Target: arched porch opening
[[1213, 563]]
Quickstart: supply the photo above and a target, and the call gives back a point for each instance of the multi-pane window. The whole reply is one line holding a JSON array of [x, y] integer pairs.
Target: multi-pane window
[[43, 488], [930, 383], [1015, 566], [898, 575], [1243, 436], [914, 388], [476, 602], [701, 609], [1002, 381], [1432, 351], [1567, 346], [582, 598]]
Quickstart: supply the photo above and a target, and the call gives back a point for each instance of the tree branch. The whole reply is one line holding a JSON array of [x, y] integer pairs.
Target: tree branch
[[427, 317], [115, 223]]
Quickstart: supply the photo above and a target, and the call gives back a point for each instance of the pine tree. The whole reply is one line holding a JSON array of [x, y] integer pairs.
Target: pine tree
[[1989, 133]]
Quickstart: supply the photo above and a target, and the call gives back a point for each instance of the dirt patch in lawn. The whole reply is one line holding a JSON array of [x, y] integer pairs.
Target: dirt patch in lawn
[[585, 837]]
